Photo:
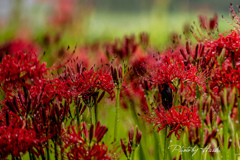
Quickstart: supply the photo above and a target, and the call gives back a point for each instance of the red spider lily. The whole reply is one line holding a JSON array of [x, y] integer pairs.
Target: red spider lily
[[28, 104], [20, 70], [234, 16], [17, 141], [70, 85], [200, 57], [87, 83], [174, 74], [57, 115], [228, 40], [176, 117], [38, 111], [24, 109], [18, 45], [84, 55], [86, 144], [53, 89], [230, 43], [208, 24], [168, 71], [123, 49], [101, 81], [224, 78], [11, 119], [208, 29], [139, 66], [144, 39]]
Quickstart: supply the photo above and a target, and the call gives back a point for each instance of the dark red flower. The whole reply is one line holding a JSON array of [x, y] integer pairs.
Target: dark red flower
[[176, 118], [122, 49], [199, 56], [227, 77], [171, 74], [87, 84], [208, 24], [20, 70], [17, 141], [86, 144], [230, 41], [18, 45]]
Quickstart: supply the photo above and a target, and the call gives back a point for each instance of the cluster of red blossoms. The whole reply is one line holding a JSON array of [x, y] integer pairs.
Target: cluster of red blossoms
[[36, 103], [81, 143], [176, 117], [20, 70], [179, 77]]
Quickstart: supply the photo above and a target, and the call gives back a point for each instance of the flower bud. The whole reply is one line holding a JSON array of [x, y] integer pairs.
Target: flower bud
[[138, 136]]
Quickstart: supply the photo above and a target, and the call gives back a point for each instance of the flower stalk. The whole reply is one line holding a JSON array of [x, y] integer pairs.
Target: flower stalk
[[117, 114], [166, 143], [96, 110]]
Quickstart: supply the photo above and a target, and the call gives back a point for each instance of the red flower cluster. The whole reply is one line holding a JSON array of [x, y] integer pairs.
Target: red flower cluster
[[16, 139], [175, 74], [230, 43], [42, 103], [122, 49], [199, 56], [176, 118], [22, 70], [86, 83], [86, 144], [224, 78], [208, 24], [18, 45]]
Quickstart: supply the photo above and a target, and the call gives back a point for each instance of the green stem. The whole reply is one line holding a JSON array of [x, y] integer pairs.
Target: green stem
[[187, 155], [30, 155], [117, 114], [133, 154], [47, 148], [165, 151], [142, 128], [77, 112], [34, 158], [175, 102], [90, 110], [225, 134], [61, 149], [43, 156], [55, 149], [202, 124], [96, 110], [157, 146], [238, 104]]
